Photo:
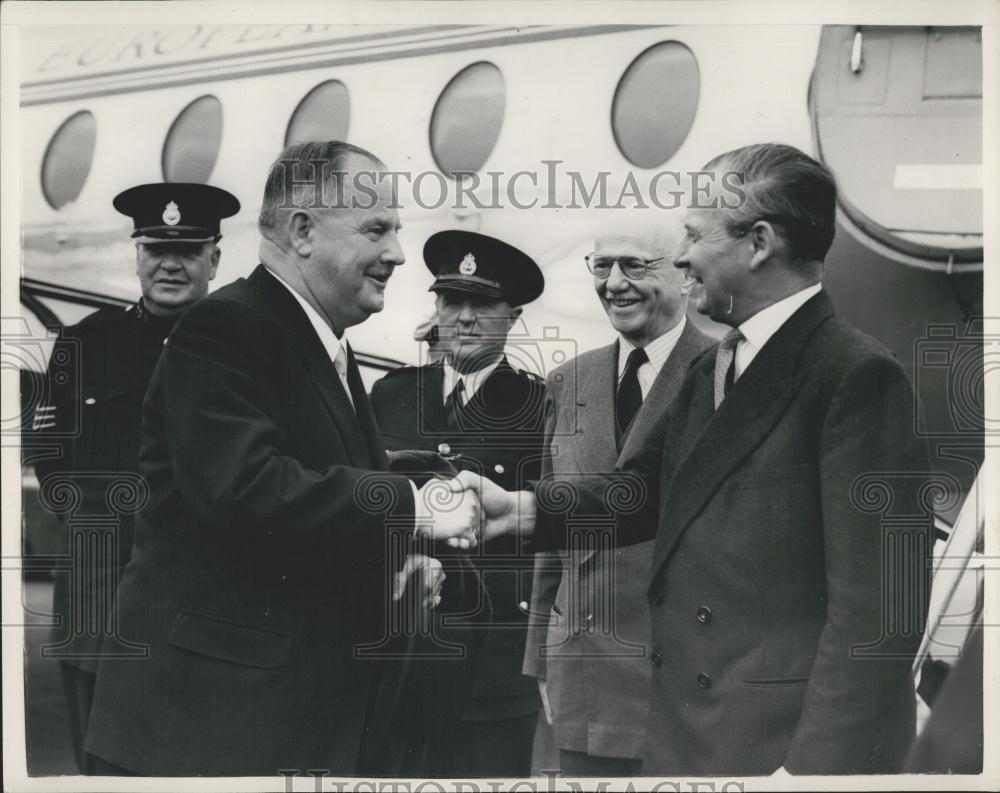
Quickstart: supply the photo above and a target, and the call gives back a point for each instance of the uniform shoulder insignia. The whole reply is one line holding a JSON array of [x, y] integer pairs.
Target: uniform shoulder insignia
[[535, 378]]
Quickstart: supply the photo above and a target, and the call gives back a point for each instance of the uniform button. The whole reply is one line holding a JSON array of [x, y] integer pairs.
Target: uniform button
[[656, 658], [284, 578], [498, 468], [164, 342], [704, 614], [523, 606], [656, 599], [444, 448], [704, 681], [90, 401]]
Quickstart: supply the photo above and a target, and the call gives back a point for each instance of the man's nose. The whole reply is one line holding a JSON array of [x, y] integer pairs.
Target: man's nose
[[393, 253], [616, 280], [467, 314], [680, 255], [170, 262]]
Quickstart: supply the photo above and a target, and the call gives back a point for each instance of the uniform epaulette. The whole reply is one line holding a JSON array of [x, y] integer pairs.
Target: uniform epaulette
[[103, 315], [399, 370], [535, 378]]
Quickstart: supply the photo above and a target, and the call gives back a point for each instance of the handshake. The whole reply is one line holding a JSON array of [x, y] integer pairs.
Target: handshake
[[469, 508]]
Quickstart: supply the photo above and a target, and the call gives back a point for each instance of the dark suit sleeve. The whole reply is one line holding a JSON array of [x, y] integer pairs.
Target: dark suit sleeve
[[859, 697], [223, 421], [628, 498], [547, 573]]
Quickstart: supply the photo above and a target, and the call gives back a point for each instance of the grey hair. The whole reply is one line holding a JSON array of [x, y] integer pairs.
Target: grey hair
[[293, 179]]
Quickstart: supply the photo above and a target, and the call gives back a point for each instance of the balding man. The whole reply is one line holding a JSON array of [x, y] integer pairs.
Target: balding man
[[590, 651], [263, 560]]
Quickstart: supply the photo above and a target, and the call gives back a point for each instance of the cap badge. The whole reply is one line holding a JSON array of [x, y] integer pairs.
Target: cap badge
[[171, 215], [468, 265]]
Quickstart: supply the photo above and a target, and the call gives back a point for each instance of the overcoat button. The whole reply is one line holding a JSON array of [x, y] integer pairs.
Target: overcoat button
[[704, 681], [498, 468], [656, 658], [90, 401], [444, 448], [704, 614], [656, 599]]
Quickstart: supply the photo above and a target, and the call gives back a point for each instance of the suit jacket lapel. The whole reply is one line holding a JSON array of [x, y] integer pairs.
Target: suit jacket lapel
[[430, 399], [665, 387], [366, 418], [596, 419], [317, 362], [716, 442]]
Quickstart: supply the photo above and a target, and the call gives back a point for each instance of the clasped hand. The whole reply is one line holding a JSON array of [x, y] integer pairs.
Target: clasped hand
[[465, 510]]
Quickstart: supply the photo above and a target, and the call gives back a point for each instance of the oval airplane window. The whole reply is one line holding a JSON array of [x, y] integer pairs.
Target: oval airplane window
[[655, 103], [897, 115], [465, 125], [323, 114], [67, 159], [192, 145]]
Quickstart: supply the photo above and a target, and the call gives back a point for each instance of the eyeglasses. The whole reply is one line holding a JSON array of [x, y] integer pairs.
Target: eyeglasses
[[632, 267]]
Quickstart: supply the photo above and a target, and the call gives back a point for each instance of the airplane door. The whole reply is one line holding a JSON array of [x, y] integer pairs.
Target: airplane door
[[897, 116]]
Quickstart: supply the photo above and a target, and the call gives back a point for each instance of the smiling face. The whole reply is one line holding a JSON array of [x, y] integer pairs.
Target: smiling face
[[173, 275], [472, 328], [352, 251], [716, 266], [643, 309]]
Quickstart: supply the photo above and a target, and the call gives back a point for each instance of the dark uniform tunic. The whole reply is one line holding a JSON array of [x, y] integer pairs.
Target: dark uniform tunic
[[499, 433], [97, 378]]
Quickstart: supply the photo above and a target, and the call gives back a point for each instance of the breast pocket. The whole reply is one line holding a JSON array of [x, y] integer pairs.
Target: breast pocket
[[110, 416]]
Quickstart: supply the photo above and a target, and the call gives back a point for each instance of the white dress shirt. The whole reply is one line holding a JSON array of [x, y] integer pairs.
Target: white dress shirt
[[657, 351], [471, 381], [765, 323]]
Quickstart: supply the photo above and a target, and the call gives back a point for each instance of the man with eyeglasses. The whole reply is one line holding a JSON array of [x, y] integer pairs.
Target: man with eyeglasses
[[789, 576], [589, 647]]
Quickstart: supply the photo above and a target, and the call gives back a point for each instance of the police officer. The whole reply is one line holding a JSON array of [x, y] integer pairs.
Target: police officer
[[97, 378], [485, 415]]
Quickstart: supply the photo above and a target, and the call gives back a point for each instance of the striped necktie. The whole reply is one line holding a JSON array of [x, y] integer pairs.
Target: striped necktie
[[723, 361], [340, 364]]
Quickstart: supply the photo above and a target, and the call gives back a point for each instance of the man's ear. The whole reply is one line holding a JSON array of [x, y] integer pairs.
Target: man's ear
[[216, 255], [515, 312], [765, 241], [300, 232]]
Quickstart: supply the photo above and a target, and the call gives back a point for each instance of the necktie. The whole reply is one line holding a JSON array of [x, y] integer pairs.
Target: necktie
[[454, 403], [723, 361], [629, 394], [340, 364]]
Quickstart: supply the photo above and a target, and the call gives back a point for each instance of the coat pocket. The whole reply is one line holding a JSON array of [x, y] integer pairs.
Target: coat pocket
[[229, 641], [776, 681]]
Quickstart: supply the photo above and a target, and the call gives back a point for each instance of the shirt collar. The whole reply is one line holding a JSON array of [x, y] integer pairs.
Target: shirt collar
[[471, 381], [327, 337], [658, 350], [765, 323]]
